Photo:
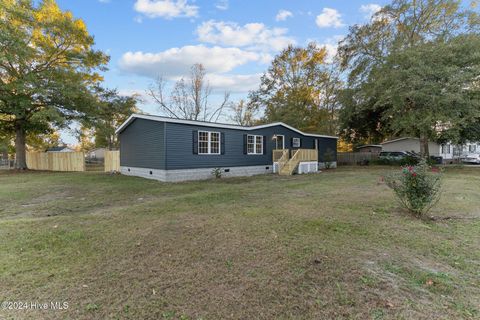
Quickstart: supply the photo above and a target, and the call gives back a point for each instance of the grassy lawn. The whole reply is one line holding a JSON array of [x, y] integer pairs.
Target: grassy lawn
[[331, 245]]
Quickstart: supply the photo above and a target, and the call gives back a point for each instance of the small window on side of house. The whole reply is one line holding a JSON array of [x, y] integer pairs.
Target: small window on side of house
[[296, 142]]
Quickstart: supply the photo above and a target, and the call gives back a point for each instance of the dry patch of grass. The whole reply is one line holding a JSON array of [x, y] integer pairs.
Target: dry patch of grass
[[333, 245]]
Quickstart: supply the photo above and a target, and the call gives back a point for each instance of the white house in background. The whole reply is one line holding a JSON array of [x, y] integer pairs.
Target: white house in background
[[98, 153], [447, 151], [60, 149]]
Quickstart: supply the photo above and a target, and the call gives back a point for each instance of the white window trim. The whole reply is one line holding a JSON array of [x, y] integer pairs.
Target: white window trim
[[254, 153], [209, 143], [299, 143]]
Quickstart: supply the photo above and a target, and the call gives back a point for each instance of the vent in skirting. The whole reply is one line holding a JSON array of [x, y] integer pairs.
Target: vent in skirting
[[227, 170]]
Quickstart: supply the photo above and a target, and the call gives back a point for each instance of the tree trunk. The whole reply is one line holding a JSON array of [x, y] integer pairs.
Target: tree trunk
[[20, 149], [424, 152]]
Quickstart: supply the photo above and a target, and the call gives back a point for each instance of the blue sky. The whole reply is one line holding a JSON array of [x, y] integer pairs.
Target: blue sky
[[234, 39]]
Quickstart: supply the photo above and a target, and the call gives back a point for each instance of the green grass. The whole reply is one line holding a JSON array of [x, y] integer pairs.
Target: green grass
[[331, 245]]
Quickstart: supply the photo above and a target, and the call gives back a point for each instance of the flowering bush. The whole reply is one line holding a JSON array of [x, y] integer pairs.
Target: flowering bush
[[417, 187]]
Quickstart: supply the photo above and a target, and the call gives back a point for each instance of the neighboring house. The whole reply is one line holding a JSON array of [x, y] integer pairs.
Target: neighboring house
[[447, 151], [372, 148], [96, 154], [60, 149], [170, 149]]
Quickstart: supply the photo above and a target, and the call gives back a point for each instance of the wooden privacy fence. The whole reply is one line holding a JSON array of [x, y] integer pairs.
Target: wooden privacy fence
[[349, 158], [112, 161], [56, 161]]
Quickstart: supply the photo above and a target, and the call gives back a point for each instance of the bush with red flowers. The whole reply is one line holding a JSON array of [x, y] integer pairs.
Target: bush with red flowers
[[417, 187]]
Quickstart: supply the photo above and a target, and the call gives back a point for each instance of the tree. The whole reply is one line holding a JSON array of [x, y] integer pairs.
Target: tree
[[400, 26], [430, 89], [243, 113], [109, 111], [86, 138], [5, 142], [297, 90], [47, 67], [189, 99], [360, 118], [42, 142], [330, 89]]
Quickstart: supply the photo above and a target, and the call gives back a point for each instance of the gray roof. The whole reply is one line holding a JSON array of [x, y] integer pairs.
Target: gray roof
[[213, 124], [369, 146]]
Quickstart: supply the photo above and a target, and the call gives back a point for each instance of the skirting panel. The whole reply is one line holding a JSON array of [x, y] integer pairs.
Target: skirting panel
[[194, 174], [303, 167], [307, 167]]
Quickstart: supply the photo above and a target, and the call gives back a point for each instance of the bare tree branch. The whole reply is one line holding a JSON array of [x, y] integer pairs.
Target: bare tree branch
[[189, 99]]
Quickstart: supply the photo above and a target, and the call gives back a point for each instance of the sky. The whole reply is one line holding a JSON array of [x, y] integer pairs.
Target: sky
[[234, 39]]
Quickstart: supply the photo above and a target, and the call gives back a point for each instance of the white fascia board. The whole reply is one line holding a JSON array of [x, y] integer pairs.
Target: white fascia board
[[214, 125]]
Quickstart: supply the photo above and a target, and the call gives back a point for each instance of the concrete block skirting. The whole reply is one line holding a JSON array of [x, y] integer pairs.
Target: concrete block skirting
[[333, 164], [193, 174]]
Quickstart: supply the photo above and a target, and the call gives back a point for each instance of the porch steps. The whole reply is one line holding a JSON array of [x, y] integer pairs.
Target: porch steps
[[286, 167], [289, 168]]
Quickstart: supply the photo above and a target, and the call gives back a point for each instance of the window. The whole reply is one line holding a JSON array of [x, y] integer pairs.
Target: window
[[472, 148], [208, 142], [254, 144], [296, 142], [445, 148]]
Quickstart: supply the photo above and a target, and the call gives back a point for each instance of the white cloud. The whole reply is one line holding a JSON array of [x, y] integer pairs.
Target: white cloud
[[177, 62], [370, 9], [252, 35], [233, 83], [167, 9], [332, 50], [329, 18], [222, 5], [282, 15]]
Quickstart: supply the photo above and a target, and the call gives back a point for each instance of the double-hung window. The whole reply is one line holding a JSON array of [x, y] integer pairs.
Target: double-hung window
[[254, 144], [208, 142]]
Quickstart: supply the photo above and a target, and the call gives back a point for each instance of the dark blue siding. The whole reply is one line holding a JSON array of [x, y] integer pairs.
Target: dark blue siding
[[179, 147], [327, 145], [142, 144]]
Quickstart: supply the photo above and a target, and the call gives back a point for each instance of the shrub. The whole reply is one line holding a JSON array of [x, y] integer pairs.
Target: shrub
[[417, 187], [217, 173], [328, 158]]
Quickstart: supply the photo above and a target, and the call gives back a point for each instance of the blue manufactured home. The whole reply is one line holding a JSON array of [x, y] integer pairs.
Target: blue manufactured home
[[169, 149]]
